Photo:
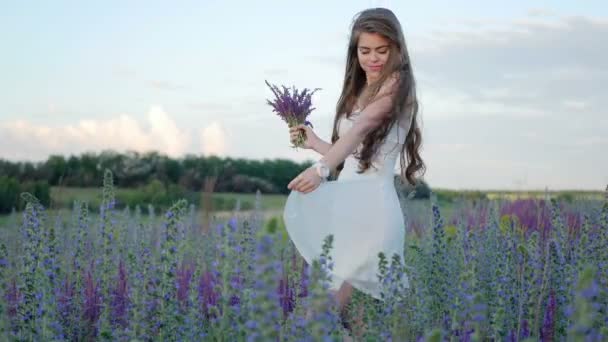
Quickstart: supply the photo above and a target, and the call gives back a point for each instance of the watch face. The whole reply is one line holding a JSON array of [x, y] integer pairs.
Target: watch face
[[324, 171]]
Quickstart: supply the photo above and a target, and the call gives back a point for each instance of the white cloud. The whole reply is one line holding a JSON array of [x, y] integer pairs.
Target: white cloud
[[528, 98], [213, 139], [433, 148], [574, 104], [540, 12], [164, 85], [439, 103], [532, 64], [25, 140], [592, 141]]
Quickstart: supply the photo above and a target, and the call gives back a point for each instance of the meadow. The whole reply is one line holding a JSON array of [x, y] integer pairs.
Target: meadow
[[500, 269], [64, 197]]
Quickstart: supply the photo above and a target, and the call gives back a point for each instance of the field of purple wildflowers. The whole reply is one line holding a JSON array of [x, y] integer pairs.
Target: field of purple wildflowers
[[522, 270]]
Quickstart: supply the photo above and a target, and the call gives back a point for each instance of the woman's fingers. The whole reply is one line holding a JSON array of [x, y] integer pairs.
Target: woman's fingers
[[295, 183], [297, 128], [308, 188], [299, 184], [298, 132], [294, 135]]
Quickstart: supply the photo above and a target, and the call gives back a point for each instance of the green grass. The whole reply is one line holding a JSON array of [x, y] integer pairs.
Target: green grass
[[3, 220], [65, 215], [63, 197], [566, 194], [269, 201]]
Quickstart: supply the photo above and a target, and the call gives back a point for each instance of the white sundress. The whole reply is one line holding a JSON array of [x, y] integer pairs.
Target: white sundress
[[362, 211]]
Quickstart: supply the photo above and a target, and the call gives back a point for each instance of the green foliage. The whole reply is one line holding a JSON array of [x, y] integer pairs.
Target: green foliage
[[405, 190], [10, 188], [135, 170], [9, 194], [448, 196], [271, 226]]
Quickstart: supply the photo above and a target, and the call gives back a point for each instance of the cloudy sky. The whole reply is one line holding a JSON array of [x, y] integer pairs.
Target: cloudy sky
[[513, 94]]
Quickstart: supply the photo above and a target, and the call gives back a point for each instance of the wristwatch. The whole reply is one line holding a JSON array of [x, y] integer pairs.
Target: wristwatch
[[322, 169]]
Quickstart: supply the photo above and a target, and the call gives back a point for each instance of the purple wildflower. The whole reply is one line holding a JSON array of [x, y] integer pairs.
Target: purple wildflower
[[208, 296], [532, 215], [65, 297], [183, 277], [92, 302], [304, 281], [13, 297], [286, 294], [120, 297], [548, 329]]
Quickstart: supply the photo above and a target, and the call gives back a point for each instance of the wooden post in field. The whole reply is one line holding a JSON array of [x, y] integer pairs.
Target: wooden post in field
[[207, 202], [58, 194]]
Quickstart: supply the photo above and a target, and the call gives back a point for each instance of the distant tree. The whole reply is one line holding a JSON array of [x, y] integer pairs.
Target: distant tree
[[56, 169], [9, 194], [11, 189]]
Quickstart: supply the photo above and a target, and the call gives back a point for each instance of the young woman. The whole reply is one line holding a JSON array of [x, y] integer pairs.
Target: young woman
[[375, 122]]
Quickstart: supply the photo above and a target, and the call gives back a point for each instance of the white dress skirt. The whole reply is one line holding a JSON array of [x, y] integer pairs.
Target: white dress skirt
[[361, 211]]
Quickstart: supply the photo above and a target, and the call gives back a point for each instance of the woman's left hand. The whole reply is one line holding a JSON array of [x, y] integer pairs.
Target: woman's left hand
[[306, 181]]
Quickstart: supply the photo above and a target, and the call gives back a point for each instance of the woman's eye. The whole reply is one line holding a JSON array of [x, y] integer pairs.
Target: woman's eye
[[380, 52]]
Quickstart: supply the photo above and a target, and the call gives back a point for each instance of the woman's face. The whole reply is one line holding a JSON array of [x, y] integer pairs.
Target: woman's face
[[373, 51]]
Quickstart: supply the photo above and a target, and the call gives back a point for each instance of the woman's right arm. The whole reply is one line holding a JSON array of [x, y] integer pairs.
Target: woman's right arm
[[321, 146]]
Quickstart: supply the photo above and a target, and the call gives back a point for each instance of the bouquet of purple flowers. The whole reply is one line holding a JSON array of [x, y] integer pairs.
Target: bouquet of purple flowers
[[293, 107]]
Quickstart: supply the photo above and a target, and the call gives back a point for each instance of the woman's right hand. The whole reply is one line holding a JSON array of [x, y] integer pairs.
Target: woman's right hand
[[310, 138]]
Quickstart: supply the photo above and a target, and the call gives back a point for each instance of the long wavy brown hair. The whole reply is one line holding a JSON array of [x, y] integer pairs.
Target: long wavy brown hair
[[384, 22]]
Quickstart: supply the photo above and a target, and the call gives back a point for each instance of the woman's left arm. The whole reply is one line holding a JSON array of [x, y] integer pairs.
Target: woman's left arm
[[370, 118]]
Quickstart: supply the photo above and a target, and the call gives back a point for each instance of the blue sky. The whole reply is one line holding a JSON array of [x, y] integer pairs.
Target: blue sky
[[510, 91]]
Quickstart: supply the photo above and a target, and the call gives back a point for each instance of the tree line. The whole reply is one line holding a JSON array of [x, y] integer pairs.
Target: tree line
[[134, 169], [150, 170]]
